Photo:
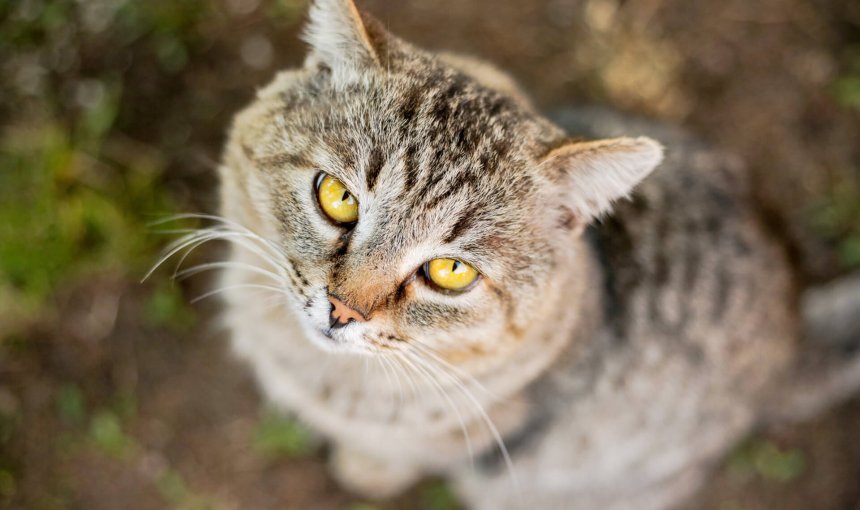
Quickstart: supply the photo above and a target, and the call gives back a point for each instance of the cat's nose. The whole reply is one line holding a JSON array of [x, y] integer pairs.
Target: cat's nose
[[341, 314]]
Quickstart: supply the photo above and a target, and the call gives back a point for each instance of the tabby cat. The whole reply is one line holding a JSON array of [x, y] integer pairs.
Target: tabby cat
[[425, 270]]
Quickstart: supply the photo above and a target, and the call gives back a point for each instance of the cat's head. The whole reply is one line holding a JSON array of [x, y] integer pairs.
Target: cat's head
[[415, 204]]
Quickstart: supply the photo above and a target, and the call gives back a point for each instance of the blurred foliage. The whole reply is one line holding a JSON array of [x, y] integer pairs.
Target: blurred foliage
[[173, 488], [65, 212], [287, 11], [835, 220], [764, 458], [438, 496], [7, 484], [76, 193], [107, 434], [71, 405], [846, 89], [277, 435], [837, 216], [168, 307], [362, 506]]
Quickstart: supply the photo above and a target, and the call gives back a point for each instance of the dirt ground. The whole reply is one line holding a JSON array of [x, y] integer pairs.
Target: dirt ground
[[116, 394]]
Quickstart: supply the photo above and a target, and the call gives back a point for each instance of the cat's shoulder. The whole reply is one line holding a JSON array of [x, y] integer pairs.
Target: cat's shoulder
[[689, 251]]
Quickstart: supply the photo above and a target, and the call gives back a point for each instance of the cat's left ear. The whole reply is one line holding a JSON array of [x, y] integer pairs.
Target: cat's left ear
[[593, 175], [344, 38]]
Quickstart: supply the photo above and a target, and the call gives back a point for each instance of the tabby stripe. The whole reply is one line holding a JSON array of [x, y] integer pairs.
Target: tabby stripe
[[463, 180], [464, 223], [410, 165], [410, 105], [374, 166]]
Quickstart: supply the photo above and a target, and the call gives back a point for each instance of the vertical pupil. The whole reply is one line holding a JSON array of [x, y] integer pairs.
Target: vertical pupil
[[454, 266], [345, 196]]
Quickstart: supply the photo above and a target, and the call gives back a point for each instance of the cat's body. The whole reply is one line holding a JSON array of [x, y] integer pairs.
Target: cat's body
[[616, 365], [697, 321]]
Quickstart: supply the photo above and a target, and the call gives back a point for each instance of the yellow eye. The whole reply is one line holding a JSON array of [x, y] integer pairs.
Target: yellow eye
[[451, 274], [337, 201]]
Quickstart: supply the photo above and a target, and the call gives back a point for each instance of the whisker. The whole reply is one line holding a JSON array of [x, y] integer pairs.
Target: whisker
[[225, 221], [237, 238], [410, 377], [210, 266], [389, 375], [235, 287], [434, 355], [428, 376], [397, 369], [494, 431]]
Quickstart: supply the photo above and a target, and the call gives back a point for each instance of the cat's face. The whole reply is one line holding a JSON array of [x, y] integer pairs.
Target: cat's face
[[413, 205]]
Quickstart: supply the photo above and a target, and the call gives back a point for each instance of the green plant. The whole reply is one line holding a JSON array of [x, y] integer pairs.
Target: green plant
[[280, 436]]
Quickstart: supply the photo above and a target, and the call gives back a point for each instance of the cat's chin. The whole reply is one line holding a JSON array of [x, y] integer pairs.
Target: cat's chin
[[333, 346], [341, 341]]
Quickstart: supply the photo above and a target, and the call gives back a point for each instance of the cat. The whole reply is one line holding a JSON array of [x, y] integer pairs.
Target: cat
[[440, 280]]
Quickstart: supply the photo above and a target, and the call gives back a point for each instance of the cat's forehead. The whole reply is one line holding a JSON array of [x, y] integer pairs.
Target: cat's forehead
[[438, 110], [435, 146]]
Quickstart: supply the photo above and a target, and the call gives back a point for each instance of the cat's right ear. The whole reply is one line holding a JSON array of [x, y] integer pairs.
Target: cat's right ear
[[590, 176], [343, 38]]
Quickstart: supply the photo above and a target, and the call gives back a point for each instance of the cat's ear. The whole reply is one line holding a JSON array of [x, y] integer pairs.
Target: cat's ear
[[593, 175], [342, 37]]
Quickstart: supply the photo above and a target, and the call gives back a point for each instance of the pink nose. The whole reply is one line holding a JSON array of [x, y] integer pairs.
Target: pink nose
[[342, 314]]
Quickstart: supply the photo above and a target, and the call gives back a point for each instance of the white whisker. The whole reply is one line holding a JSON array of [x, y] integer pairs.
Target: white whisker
[[494, 431], [394, 370], [209, 266], [389, 375], [428, 376], [235, 287], [435, 355]]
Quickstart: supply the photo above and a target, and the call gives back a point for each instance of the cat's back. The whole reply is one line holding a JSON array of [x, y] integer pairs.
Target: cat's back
[[689, 265]]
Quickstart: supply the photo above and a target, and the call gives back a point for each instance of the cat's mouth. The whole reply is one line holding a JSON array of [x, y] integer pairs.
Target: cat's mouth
[[341, 340]]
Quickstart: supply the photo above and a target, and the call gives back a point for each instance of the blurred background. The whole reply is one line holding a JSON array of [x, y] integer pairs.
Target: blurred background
[[119, 394]]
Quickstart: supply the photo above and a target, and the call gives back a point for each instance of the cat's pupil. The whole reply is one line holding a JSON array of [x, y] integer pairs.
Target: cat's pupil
[[345, 196], [454, 266]]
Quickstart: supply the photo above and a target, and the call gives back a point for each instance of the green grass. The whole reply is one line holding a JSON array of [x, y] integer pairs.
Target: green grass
[[438, 496], [278, 436], [76, 195], [66, 214], [71, 405], [837, 220], [107, 435], [7, 484], [173, 488], [846, 88], [167, 307], [362, 506], [765, 459]]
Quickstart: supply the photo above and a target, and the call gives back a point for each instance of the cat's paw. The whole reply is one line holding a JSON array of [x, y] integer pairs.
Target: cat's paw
[[371, 477]]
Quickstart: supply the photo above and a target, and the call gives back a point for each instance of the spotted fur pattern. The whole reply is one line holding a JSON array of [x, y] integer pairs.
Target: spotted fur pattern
[[589, 368]]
